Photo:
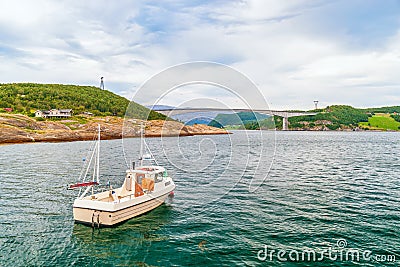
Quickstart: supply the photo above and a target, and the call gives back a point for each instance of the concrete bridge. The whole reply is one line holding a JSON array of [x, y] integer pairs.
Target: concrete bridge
[[284, 114]]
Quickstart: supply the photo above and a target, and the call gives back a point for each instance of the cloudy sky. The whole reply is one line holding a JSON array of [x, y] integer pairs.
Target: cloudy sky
[[339, 52]]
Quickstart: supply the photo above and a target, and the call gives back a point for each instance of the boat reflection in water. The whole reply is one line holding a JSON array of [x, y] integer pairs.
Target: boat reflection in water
[[132, 239]]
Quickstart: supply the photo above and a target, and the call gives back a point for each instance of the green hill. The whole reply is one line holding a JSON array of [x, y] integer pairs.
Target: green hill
[[347, 117], [334, 117], [25, 98]]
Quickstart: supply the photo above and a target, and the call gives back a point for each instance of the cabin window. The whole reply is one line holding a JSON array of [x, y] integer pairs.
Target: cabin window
[[139, 178], [158, 177]]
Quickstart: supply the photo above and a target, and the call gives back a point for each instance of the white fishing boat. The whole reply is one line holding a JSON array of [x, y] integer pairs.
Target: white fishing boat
[[145, 187]]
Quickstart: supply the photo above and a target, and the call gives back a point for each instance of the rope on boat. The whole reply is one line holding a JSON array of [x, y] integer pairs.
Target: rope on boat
[[148, 149], [97, 222], [86, 164]]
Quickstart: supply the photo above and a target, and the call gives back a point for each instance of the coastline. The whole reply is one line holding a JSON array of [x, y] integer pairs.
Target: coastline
[[18, 129], [106, 138]]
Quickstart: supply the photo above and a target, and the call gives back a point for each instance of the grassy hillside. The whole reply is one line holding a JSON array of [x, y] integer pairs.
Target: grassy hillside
[[381, 121], [25, 98]]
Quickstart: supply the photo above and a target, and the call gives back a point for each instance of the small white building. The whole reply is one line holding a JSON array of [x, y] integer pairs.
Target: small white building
[[38, 113], [90, 114], [54, 113]]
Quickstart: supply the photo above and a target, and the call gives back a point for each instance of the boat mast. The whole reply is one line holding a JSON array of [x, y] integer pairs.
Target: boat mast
[[97, 162], [96, 168], [141, 144], [98, 155]]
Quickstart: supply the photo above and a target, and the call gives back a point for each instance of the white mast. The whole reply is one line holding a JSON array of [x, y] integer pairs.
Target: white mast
[[141, 144], [98, 156], [96, 166]]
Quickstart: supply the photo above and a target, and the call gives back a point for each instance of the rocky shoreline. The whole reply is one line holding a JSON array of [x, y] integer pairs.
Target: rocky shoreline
[[15, 128]]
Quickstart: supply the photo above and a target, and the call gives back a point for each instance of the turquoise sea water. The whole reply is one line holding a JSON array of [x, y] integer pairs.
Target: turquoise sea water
[[327, 192]]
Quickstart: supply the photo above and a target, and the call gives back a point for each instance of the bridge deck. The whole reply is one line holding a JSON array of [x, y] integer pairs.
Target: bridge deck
[[286, 114]]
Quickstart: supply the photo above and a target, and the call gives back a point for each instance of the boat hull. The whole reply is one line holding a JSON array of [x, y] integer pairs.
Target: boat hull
[[101, 218]]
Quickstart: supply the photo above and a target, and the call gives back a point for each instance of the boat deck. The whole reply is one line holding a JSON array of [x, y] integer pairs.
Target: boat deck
[[107, 196]]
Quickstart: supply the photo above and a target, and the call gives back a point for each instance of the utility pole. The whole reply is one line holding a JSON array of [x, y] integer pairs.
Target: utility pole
[[101, 83]]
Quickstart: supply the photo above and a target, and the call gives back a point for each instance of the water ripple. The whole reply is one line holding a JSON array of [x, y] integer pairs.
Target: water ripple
[[323, 187]]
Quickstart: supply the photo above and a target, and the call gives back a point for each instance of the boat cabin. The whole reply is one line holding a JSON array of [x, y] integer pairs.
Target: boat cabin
[[140, 181], [143, 179]]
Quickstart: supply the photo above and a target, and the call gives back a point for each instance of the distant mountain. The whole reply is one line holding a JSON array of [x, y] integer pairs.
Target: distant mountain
[[191, 118], [159, 107], [199, 120], [25, 98], [197, 117], [240, 118]]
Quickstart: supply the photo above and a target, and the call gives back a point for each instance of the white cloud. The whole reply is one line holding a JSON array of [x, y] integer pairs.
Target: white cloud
[[290, 49]]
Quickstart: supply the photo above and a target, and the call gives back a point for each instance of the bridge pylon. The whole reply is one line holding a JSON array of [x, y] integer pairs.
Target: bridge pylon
[[285, 123]]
